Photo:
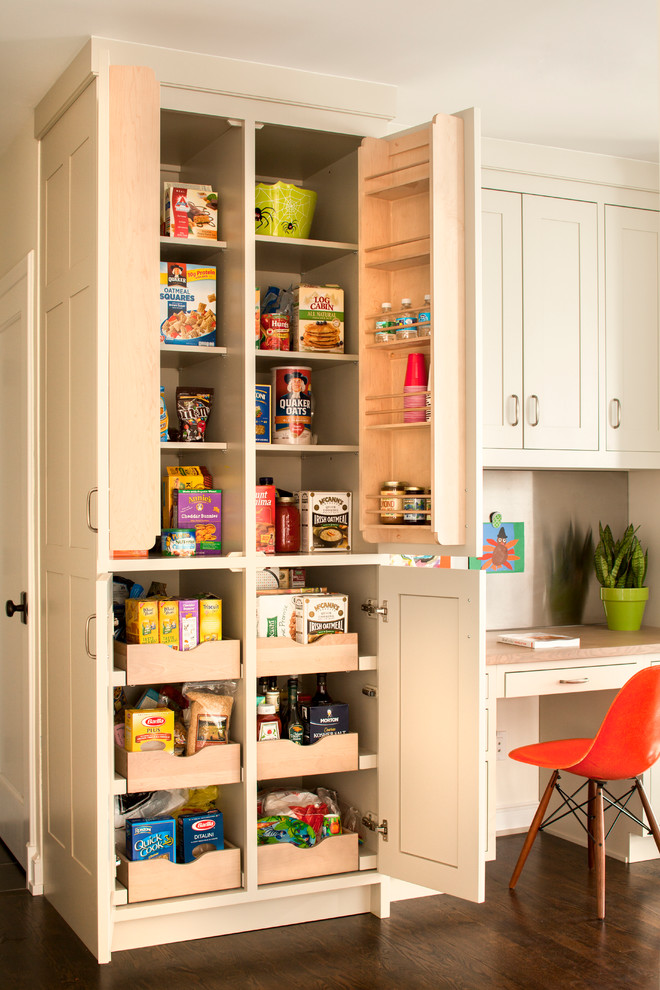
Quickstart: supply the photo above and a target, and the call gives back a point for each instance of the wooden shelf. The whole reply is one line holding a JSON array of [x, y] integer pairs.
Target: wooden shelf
[[413, 180], [316, 358], [310, 448], [279, 655], [152, 771], [413, 344], [174, 248], [398, 426], [397, 264], [297, 254], [158, 664], [190, 448], [399, 534], [184, 356], [160, 563], [283, 861], [155, 879], [283, 758]]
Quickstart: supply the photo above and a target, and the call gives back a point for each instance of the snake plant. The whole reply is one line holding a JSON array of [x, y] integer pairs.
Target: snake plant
[[620, 564]]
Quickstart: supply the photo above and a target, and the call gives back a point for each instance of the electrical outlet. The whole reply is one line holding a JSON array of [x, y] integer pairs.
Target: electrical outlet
[[501, 749]]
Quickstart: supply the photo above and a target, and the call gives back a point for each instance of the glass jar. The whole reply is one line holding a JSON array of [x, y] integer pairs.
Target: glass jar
[[391, 502], [287, 525], [414, 504]]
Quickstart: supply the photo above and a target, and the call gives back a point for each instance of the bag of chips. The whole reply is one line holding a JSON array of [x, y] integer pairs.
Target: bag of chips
[[193, 406]]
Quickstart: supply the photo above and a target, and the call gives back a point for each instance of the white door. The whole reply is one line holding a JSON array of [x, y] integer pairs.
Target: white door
[[560, 320], [432, 746], [632, 351], [18, 771], [501, 217]]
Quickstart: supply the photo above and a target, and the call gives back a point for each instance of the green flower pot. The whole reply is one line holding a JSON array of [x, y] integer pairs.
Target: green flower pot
[[624, 607]]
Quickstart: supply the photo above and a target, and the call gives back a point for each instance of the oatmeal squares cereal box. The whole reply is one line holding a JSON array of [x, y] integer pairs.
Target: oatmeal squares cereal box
[[188, 623], [201, 511], [318, 319], [187, 304], [192, 478], [320, 615], [190, 212], [141, 620], [149, 729], [265, 496]]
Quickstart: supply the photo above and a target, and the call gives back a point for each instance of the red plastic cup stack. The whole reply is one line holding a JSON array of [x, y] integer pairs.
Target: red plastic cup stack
[[414, 389]]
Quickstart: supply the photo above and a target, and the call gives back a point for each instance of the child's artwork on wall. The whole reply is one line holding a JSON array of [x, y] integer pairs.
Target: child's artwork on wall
[[504, 548]]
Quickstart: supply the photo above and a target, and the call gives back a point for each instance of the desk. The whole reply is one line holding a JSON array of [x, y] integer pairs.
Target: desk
[[604, 661]]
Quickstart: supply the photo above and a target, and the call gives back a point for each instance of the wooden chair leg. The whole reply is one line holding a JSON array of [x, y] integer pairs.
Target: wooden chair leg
[[533, 829], [648, 811], [592, 812], [599, 849]]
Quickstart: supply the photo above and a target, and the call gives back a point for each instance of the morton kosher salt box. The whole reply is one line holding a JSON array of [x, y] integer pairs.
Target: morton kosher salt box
[[323, 720], [325, 521]]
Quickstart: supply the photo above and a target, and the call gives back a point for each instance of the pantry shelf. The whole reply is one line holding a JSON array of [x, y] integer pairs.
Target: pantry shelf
[[297, 253], [284, 758], [399, 426], [413, 344], [155, 663], [398, 264], [158, 562], [318, 359], [151, 770], [184, 356], [311, 448], [284, 861], [158, 878], [189, 448], [413, 180], [279, 655], [171, 248]]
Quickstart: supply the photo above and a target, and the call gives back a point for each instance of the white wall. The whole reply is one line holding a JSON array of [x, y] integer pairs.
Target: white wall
[[19, 223]]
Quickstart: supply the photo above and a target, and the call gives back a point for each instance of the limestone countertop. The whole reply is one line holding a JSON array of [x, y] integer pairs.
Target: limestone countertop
[[595, 641]]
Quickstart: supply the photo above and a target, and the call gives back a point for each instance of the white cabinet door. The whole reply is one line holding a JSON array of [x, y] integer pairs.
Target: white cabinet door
[[632, 353], [560, 319], [502, 318], [432, 729]]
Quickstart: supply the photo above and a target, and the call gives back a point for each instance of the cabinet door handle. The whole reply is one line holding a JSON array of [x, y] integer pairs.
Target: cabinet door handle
[[535, 421], [88, 510], [616, 407], [88, 623], [575, 680], [516, 406]]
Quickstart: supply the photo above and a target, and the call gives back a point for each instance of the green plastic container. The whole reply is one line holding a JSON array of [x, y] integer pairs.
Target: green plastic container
[[283, 210], [624, 607]]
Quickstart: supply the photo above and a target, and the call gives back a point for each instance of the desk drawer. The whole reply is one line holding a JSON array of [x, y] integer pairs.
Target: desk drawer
[[566, 680]]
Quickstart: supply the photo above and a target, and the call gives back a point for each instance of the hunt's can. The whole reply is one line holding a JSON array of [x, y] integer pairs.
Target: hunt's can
[[292, 404]]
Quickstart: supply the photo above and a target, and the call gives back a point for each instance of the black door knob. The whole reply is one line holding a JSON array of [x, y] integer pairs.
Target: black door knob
[[11, 609]]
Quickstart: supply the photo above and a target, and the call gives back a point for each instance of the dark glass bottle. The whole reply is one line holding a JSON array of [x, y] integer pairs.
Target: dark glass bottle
[[321, 697], [292, 727]]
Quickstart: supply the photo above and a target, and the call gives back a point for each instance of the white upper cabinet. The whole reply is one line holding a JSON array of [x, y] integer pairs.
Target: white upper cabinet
[[631, 329]]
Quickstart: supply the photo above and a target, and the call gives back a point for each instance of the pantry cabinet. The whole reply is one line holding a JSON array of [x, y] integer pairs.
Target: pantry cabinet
[[419, 636]]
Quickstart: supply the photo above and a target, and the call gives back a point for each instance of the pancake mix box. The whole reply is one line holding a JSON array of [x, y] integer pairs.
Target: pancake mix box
[[318, 319]]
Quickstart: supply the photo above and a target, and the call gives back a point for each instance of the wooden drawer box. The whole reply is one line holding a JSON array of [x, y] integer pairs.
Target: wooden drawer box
[[566, 680], [157, 878], [160, 664], [152, 771], [284, 861], [281, 655], [283, 758]]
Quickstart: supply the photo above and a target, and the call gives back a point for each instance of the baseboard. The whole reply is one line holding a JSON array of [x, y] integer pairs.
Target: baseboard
[[515, 819]]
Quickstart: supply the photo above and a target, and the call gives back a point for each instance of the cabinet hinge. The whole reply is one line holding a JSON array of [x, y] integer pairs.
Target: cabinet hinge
[[373, 609], [371, 822]]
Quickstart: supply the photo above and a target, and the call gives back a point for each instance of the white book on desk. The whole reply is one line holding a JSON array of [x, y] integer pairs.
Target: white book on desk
[[538, 640]]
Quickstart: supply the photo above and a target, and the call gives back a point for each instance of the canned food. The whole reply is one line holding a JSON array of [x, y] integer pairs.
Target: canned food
[[391, 502], [178, 542], [406, 333], [274, 332], [414, 505]]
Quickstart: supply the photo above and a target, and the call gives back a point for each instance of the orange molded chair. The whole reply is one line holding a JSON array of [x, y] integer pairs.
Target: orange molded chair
[[627, 744]]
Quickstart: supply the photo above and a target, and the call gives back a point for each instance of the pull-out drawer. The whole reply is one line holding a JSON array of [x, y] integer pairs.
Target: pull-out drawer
[[566, 680]]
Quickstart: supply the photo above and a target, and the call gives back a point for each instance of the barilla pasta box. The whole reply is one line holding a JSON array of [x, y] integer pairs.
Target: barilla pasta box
[[320, 615], [265, 497], [187, 304], [210, 619], [318, 318], [199, 832], [168, 622], [262, 413], [190, 211], [188, 623], [147, 729], [151, 839], [141, 620], [325, 521], [201, 511], [194, 478]]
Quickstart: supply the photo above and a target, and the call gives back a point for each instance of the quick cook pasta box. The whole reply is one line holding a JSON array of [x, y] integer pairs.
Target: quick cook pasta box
[[152, 839], [187, 304], [201, 511]]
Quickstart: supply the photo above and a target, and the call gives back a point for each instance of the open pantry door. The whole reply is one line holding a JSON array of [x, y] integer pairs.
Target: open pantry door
[[432, 788]]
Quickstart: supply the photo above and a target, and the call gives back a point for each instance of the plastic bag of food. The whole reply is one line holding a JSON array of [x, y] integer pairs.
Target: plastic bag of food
[[281, 828], [211, 704], [193, 405]]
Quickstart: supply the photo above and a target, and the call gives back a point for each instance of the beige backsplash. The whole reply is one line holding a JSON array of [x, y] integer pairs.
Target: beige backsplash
[[547, 501]]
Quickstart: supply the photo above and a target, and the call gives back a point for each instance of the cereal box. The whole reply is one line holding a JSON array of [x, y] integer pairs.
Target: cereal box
[[168, 622], [325, 521], [190, 211], [265, 495], [149, 729], [262, 413], [201, 511], [320, 615], [188, 623], [199, 832], [141, 620], [318, 319], [151, 839], [192, 478], [187, 304]]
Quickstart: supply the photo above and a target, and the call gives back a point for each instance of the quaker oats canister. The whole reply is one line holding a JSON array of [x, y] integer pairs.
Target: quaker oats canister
[[292, 404]]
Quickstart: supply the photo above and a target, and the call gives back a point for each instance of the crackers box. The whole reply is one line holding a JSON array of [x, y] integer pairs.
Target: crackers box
[[265, 498], [318, 319], [188, 623], [320, 615], [325, 521], [187, 304], [262, 413], [141, 620], [150, 839], [199, 832], [193, 478], [148, 729], [210, 619], [201, 511], [190, 211], [168, 622]]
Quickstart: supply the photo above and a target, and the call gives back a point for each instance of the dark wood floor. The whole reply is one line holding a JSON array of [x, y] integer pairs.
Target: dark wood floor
[[543, 937]]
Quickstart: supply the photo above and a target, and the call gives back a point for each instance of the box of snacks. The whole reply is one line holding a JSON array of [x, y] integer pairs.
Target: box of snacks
[[187, 304]]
